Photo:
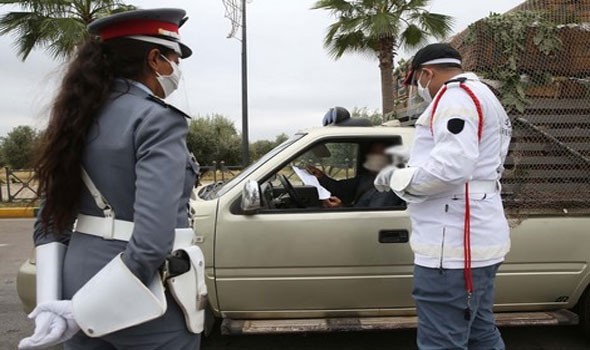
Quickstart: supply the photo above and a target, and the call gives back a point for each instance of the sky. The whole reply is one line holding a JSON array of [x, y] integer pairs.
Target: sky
[[292, 80]]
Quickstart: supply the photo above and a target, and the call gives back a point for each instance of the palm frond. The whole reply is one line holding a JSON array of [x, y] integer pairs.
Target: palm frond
[[415, 4], [25, 27], [105, 8], [65, 35], [350, 24], [435, 24], [122, 8], [13, 20], [55, 25], [413, 36], [384, 24], [333, 5], [347, 42]]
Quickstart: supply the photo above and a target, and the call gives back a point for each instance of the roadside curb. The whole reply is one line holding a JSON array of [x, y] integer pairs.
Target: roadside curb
[[18, 212]]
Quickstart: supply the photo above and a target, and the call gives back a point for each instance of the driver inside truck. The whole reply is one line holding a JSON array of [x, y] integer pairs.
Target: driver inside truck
[[359, 191]]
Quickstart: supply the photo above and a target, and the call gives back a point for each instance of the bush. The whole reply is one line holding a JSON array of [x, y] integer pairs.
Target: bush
[[17, 147]]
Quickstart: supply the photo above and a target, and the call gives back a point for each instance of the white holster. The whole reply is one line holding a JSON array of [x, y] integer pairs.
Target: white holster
[[188, 289], [183, 288]]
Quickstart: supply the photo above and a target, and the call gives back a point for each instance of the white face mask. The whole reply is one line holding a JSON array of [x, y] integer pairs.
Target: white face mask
[[423, 91], [169, 83], [376, 162]]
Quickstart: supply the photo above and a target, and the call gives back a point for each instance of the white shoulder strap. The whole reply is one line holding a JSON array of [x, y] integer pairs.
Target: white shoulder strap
[[99, 199]]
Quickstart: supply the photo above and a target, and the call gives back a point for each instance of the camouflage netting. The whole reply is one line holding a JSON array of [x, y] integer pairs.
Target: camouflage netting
[[537, 59]]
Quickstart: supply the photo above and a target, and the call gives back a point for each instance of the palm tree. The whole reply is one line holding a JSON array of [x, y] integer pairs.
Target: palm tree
[[381, 27], [55, 25]]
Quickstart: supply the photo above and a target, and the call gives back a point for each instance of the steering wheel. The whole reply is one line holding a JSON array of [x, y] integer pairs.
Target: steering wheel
[[267, 191], [291, 191]]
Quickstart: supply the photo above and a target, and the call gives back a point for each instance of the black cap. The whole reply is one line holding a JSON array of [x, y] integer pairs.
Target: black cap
[[158, 26], [440, 53]]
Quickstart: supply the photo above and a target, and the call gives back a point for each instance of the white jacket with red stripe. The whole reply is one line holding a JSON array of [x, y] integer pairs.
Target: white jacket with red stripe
[[448, 153]]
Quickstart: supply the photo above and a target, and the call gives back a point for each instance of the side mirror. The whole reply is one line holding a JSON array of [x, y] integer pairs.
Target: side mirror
[[251, 201]]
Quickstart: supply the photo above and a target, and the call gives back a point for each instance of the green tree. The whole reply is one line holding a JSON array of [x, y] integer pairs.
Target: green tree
[[214, 138], [381, 27], [17, 147], [282, 137], [55, 25], [374, 116], [262, 147]]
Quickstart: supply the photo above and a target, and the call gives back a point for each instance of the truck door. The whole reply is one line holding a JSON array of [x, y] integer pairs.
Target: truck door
[[314, 261]]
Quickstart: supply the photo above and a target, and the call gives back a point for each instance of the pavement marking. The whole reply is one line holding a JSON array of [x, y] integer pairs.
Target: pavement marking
[[4, 245]]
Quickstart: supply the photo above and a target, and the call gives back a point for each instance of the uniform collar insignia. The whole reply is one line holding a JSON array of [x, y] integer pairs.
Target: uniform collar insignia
[[163, 103]]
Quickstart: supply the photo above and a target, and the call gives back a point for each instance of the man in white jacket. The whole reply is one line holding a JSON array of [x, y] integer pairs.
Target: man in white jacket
[[459, 231]]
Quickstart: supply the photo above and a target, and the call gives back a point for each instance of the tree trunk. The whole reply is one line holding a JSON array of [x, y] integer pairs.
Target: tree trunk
[[386, 67]]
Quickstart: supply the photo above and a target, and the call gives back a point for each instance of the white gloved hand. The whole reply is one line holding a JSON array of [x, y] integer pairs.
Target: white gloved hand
[[383, 180], [54, 324], [399, 155]]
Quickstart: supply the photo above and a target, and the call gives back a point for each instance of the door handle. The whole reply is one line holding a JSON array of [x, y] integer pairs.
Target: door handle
[[394, 236]]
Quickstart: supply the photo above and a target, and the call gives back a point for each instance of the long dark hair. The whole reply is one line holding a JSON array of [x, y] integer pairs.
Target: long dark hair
[[85, 88]]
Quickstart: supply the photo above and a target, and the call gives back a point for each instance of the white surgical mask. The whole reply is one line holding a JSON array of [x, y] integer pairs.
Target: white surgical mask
[[169, 83], [423, 91], [376, 162]]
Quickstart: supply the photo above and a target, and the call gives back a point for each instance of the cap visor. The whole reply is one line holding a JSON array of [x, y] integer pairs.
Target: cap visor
[[409, 78], [186, 51]]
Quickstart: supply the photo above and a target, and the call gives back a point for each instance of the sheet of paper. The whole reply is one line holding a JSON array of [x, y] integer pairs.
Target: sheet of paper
[[310, 180]]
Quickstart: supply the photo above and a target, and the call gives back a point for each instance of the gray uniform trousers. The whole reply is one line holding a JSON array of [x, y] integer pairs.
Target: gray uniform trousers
[[441, 300], [136, 155]]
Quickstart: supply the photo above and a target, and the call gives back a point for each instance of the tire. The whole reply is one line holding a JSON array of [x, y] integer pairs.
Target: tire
[[583, 311], [211, 323]]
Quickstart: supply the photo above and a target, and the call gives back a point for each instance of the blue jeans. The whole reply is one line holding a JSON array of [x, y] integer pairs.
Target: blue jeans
[[441, 300]]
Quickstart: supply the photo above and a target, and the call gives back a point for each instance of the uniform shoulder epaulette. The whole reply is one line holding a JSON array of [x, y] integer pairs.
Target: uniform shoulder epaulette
[[167, 106], [456, 80]]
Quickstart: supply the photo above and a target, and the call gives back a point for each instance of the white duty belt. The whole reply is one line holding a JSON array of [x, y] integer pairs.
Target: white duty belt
[[107, 227], [478, 187]]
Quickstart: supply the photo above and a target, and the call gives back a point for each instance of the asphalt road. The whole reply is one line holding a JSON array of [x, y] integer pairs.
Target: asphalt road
[[15, 245]]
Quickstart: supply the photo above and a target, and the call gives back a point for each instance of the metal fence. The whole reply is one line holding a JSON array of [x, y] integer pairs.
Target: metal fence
[[541, 72], [18, 185], [536, 59], [218, 172]]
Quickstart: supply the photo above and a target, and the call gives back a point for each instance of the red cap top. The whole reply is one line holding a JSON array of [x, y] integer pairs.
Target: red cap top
[[140, 27]]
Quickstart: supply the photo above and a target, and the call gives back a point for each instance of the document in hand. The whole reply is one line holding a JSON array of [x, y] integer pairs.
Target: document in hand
[[310, 180]]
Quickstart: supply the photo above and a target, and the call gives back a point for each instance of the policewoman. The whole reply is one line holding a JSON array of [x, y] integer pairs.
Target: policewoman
[[115, 177], [459, 231]]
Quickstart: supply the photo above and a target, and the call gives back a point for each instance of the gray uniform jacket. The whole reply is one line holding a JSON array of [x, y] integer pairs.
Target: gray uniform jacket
[[136, 155]]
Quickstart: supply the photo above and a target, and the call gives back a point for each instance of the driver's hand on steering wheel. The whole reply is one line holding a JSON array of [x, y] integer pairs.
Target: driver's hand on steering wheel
[[315, 171], [332, 202]]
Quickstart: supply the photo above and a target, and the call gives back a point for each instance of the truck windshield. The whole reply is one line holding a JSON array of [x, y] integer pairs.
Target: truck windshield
[[250, 169]]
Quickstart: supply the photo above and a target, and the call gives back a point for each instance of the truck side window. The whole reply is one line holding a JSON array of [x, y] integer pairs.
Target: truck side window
[[346, 171]]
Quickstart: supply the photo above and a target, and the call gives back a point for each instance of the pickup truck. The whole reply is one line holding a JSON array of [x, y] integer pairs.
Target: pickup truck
[[278, 261]]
